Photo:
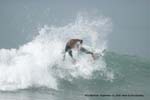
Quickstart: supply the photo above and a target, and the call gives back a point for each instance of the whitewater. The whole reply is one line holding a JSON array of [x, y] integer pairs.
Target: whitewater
[[36, 70], [38, 63]]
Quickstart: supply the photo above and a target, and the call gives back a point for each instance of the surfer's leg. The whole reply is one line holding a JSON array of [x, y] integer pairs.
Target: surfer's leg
[[66, 50], [64, 56], [70, 53]]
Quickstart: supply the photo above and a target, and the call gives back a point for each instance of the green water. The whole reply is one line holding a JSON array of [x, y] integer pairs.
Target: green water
[[131, 77]]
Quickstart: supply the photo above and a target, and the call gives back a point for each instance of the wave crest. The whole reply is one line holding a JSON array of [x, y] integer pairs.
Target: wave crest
[[39, 63]]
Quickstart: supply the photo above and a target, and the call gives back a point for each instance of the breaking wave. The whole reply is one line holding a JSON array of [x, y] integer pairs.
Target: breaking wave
[[38, 63]]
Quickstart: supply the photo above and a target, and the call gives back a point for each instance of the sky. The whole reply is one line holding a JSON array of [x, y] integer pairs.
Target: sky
[[20, 20]]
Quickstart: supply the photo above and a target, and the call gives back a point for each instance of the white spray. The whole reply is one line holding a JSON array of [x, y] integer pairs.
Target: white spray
[[39, 62]]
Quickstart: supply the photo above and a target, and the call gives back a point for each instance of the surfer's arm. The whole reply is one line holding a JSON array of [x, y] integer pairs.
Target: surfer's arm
[[87, 52]]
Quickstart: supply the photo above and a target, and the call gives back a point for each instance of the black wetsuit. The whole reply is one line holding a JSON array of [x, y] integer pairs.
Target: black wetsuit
[[68, 49]]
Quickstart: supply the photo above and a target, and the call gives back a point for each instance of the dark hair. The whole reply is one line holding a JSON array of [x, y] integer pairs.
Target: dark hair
[[81, 41]]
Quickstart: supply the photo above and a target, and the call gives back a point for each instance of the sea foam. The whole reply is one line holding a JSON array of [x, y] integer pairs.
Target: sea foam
[[38, 63]]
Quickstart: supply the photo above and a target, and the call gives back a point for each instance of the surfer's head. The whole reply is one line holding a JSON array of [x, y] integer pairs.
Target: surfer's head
[[81, 41]]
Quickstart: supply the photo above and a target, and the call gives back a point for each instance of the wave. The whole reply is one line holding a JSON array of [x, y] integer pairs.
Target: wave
[[38, 63]]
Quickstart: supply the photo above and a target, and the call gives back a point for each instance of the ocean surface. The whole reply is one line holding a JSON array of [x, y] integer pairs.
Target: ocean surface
[[35, 70], [131, 77]]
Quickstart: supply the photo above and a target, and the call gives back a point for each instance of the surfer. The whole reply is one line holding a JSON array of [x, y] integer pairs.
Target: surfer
[[76, 44]]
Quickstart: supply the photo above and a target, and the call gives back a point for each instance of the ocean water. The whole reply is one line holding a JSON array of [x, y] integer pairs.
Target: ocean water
[[35, 70], [130, 76]]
